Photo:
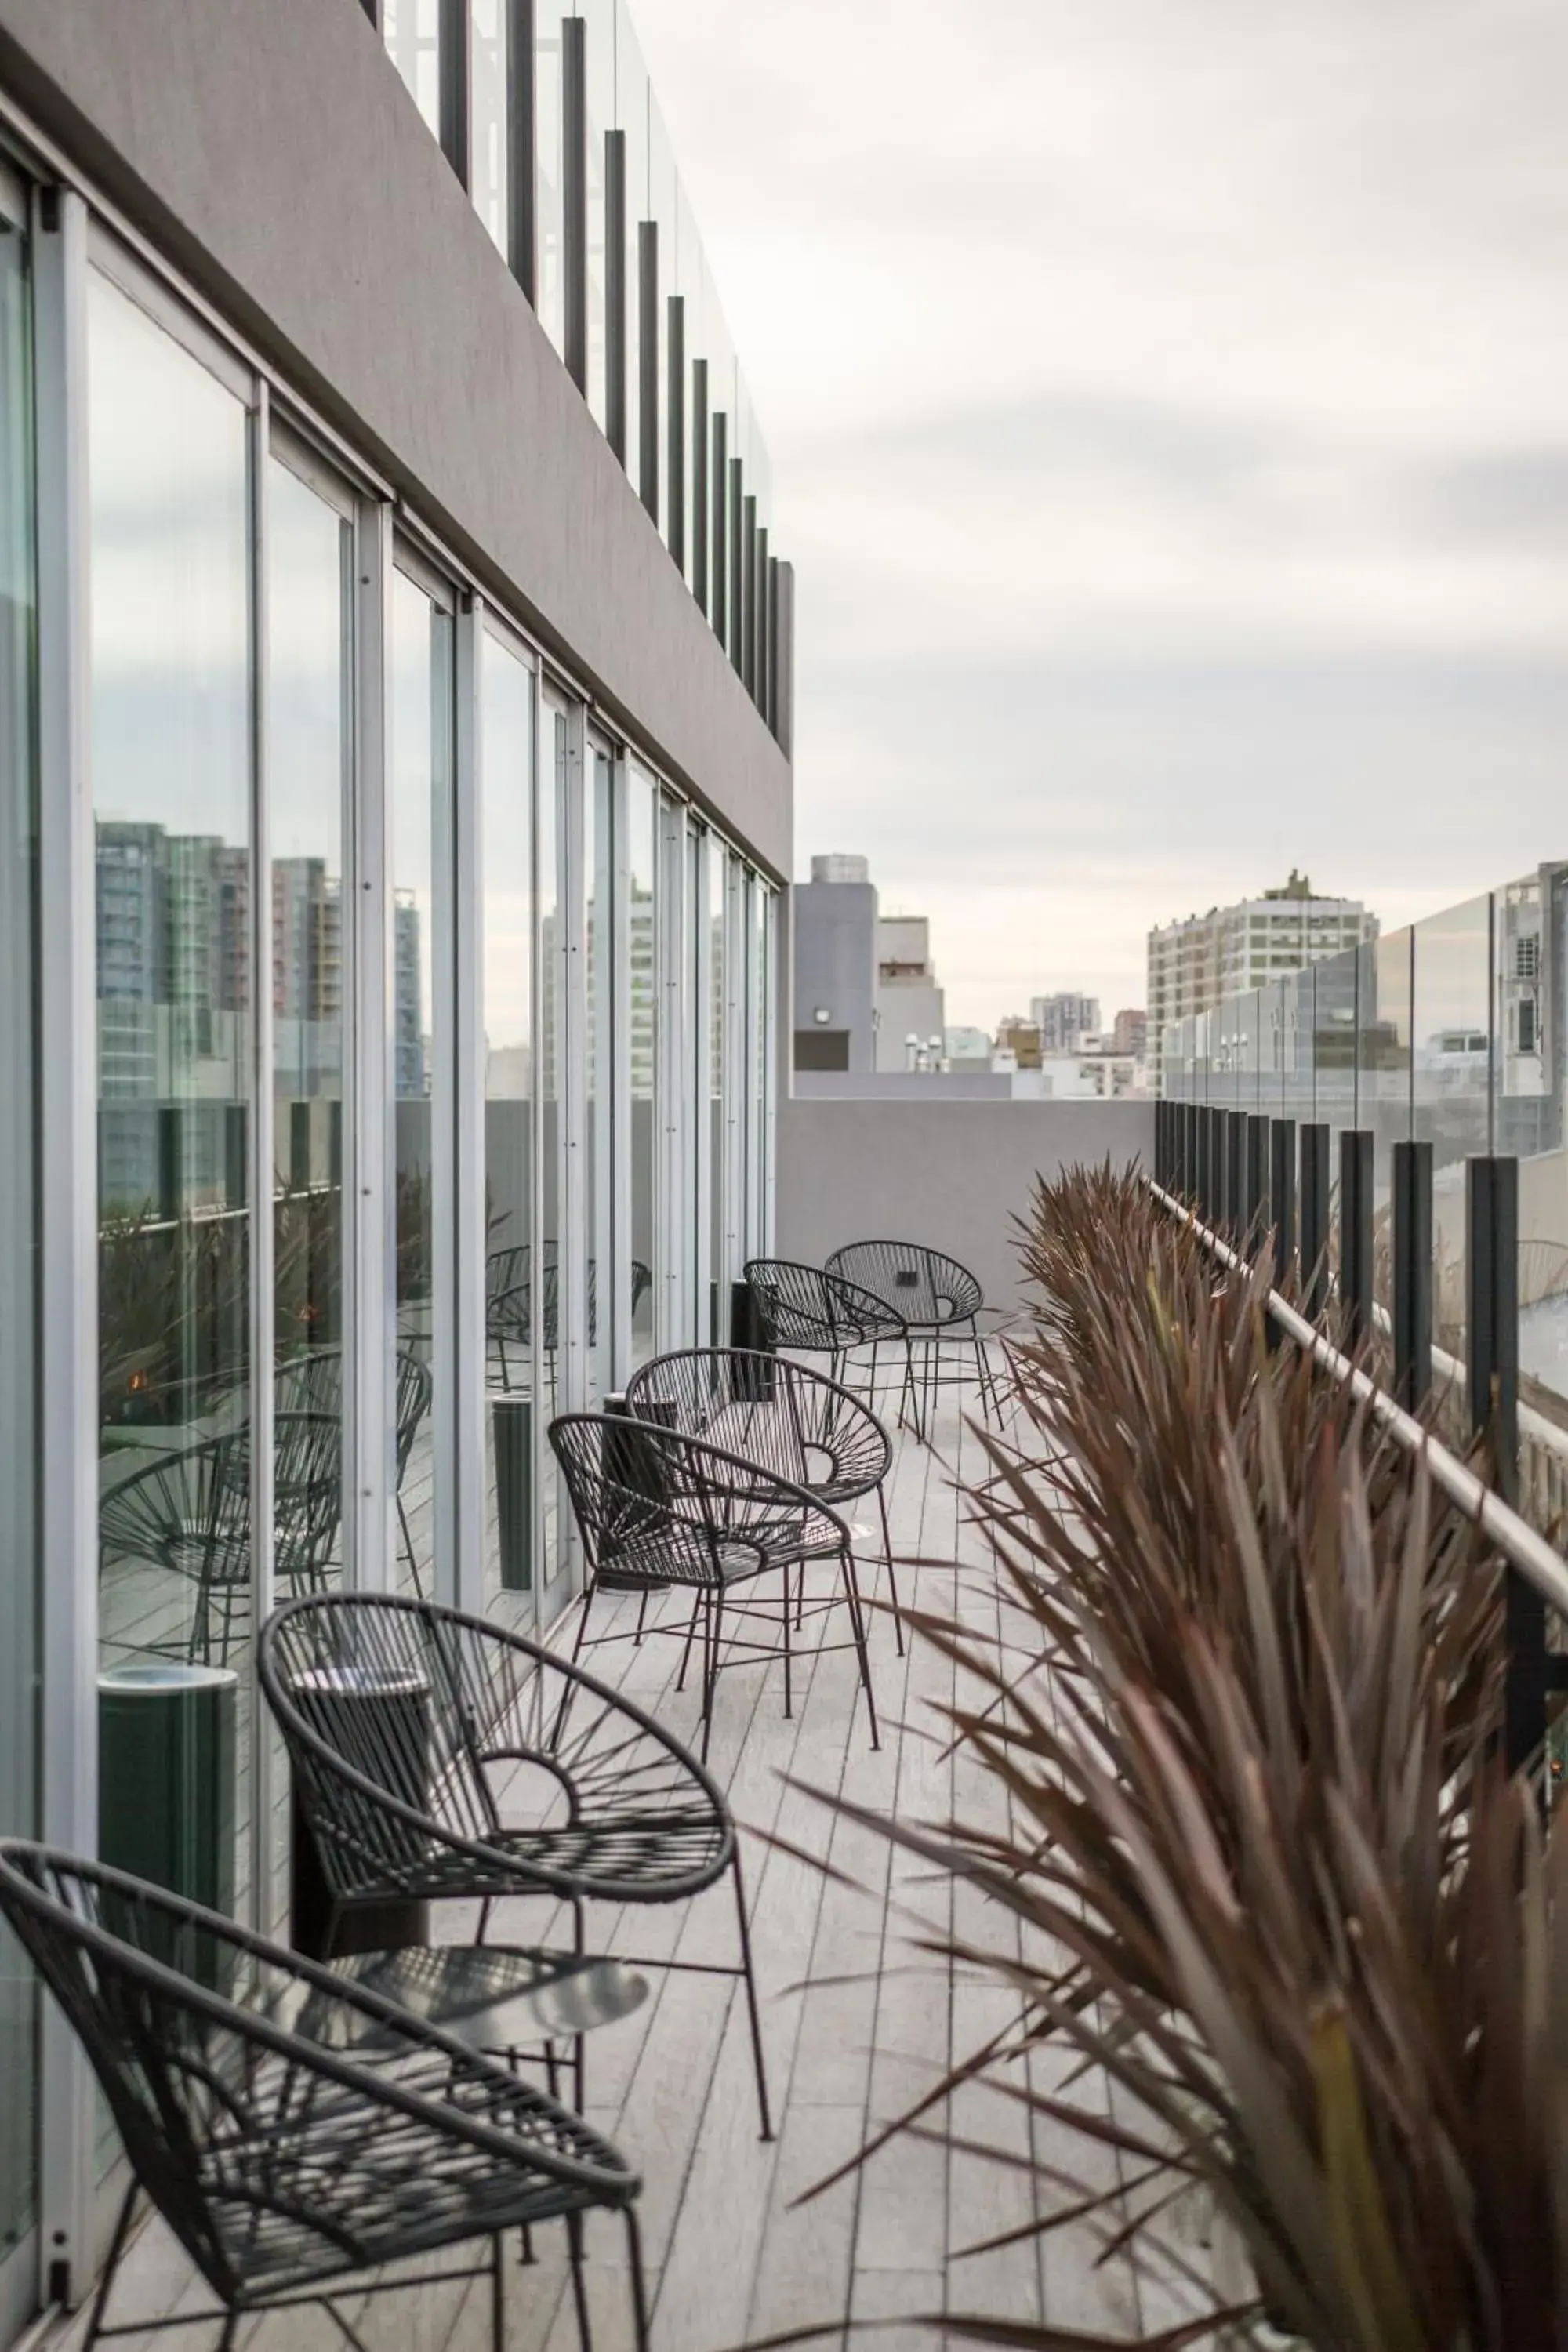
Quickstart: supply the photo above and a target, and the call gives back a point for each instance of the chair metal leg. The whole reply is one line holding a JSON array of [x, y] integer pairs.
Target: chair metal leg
[[712, 1633], [498, 2296], [640, 2338], [788, 1613], [642, 1620], [892, 1573], [117, 2247], [753, 2011], [579, 2285], [858, 1626], [686, 1647]]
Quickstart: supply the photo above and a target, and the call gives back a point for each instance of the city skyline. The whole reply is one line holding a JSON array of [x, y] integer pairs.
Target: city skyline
[[1245, 542]]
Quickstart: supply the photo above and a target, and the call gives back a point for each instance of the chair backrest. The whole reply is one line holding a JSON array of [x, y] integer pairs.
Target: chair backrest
[[616, 1486], [307, 1486], [808, 1307], [385, 1692], [389, 1707], [788, 1417], [309, 1384], [144, 1980], [919, 1284]]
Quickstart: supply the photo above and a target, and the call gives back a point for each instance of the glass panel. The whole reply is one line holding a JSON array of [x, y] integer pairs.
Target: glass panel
[[698, 1052], [19, 1589], [489, 116], [1450, 1078], [419, 791], [412, 31], [310, 746], [1528, 1069], [1382, 1094], [512, 1292], [1334, 1042], [598, 1072], [718, 969], [642, 944], [550, 214], [756, 1061], [736, 966], [170, 773], [553, 953]]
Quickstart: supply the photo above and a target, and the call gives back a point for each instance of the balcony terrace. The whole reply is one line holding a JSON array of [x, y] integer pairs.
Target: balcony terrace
[[859, 2023]]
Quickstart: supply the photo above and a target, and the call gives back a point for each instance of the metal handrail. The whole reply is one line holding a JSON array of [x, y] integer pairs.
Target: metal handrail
[[1518, 1541]]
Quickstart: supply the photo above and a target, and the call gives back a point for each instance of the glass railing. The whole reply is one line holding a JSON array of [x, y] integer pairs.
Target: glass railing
[[637, 316], [1452, 1032]]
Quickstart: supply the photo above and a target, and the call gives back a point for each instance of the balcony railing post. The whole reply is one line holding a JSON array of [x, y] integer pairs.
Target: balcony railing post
[[1282, 1196], [1234, 1211], [1189, 1140], [1356, 1236], [1208, 1115], [1491, 1323], [1256, 1187], [1314, 1218], [1411, 1205]]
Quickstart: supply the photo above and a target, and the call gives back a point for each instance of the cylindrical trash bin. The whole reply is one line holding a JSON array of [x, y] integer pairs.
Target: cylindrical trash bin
[[512, 1426], [748, 1330], [166, 1777], [380, 1723]]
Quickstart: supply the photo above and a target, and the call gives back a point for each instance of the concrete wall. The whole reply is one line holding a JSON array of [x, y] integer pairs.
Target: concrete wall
[[834, 931], [273, 153], [951, 1173]]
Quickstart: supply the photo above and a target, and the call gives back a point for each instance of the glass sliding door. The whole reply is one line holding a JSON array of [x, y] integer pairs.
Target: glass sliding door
[[598, 1073], [310, 648], [171, 737], [717, 927], [555, 942], [19, 1579], [420, 828], [646, 1264], [513, 1292]]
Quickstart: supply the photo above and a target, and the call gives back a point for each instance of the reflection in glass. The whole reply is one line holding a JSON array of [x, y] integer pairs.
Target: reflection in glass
[[718, 1058], [512, 1292], [552, 959], [419, 809], [309, 681], [1451, 1066], [19, 1591], [598, 1072], [171, 772], [642, 1047]]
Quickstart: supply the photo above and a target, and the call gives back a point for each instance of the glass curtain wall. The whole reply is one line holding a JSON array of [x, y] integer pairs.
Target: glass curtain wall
[[412, 31], [309, 642], [598, 1071], [20, 1585], [419, 825], [512, 1290], [645, 1265], [170, 768], [554, 964]]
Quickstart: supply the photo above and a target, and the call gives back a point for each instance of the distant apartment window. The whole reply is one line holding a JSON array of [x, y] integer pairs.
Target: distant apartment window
[[1526, 1022], [1527, 959]]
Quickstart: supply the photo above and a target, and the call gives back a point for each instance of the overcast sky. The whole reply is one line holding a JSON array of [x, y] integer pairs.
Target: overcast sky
[[1168, 405]]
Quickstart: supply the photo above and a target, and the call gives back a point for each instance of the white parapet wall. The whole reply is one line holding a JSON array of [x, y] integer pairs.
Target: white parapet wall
[[952, 1174]]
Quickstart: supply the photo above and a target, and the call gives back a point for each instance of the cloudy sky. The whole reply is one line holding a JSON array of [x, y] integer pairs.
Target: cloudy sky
[[1168, 405]]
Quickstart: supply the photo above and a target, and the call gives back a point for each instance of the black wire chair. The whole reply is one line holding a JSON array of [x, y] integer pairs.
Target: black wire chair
[[786, 1415], [939, 1301], [314, 1384], [294, 2130], [813, 1312], [396, 1714], [658, 1511]]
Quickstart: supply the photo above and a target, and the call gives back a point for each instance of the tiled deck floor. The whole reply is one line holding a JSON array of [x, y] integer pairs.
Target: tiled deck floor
[[856, 2020]]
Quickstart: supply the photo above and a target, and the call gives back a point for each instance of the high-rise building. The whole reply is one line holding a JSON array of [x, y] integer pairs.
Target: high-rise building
[[1130, 1034], [1063, 1019], [1195, 964]]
